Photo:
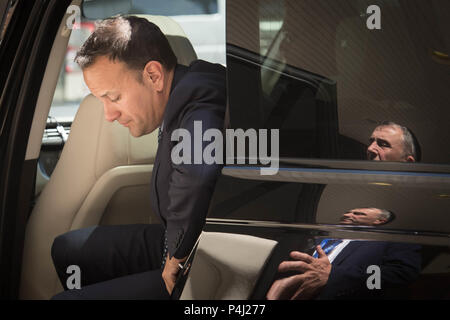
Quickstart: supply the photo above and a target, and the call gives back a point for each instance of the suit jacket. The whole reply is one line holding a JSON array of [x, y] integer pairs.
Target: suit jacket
[[400, 265], [181, 193]]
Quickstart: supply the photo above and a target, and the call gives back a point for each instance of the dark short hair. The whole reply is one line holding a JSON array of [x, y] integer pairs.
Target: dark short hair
[[129, 39]]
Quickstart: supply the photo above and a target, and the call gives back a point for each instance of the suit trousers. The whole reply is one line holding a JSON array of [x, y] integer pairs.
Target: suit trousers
[[115, 262]]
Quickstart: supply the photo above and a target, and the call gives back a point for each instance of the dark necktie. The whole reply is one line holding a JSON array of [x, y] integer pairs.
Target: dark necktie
[[160, 131], [165, 250]]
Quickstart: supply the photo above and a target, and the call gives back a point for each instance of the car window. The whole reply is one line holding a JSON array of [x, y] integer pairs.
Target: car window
[[71, 87], [315, 71], [327, 74], [175, 7]]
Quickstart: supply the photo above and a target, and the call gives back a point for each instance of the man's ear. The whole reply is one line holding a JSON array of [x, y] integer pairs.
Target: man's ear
[[380, 221], [410, 159], [154, 75]]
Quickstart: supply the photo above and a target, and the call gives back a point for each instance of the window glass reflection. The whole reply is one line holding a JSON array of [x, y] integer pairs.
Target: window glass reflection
[[326, 80]]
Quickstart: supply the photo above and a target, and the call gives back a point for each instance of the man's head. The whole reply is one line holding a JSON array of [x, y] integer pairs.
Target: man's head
[[367, 216], [128, 64], [392, 142]]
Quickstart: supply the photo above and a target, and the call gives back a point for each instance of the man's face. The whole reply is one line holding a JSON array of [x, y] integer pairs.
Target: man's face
[[386, 144], [135, 105], [363, 216]]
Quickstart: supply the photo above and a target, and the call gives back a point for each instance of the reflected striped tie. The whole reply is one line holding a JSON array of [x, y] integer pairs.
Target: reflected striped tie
[[328, 245]]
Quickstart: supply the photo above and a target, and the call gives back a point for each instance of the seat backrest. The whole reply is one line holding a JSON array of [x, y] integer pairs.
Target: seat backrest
[[102, 177], [226, 266]]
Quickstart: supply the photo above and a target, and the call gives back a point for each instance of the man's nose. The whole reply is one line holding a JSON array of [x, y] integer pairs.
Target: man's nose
[[373, 148], [111, 113]]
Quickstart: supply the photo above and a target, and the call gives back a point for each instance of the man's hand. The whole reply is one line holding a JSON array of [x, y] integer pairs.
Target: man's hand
[[313, 276], [170, 272]]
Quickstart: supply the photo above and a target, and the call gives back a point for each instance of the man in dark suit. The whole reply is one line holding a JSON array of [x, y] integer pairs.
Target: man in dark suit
[[339, 268], [399, 266], [129, 65], [347, 274]]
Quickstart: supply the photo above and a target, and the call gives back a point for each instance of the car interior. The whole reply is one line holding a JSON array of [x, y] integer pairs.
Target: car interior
[[102, 177]]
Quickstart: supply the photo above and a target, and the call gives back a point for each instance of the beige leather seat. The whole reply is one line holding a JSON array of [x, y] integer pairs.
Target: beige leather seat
[[226, 266], [103, 177]]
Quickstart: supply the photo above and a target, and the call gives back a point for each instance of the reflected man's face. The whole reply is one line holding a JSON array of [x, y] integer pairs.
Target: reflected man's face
[[363, 216], [386, 144]]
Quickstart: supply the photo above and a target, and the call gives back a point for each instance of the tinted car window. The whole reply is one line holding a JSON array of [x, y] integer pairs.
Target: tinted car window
[[316, 71], [304, 67]]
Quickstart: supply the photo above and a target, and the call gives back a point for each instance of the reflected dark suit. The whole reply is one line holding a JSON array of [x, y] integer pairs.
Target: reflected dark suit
[[399, 263]]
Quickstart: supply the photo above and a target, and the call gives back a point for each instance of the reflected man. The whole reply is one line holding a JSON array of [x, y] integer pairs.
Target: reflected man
[[337, 269], [367, 216], [393, 142]]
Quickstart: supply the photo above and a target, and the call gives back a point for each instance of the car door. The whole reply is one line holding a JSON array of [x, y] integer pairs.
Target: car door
[[24, 51], [320, 74]]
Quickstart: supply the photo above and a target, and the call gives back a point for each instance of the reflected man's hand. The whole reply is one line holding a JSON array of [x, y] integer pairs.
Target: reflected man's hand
[[313, 276]]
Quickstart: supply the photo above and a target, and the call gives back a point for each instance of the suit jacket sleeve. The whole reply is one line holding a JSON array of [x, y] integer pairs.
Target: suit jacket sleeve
[[400, 265], [191, 185]]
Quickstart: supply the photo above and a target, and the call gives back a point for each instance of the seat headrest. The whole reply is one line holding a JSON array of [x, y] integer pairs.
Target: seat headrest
[[181, 46]]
